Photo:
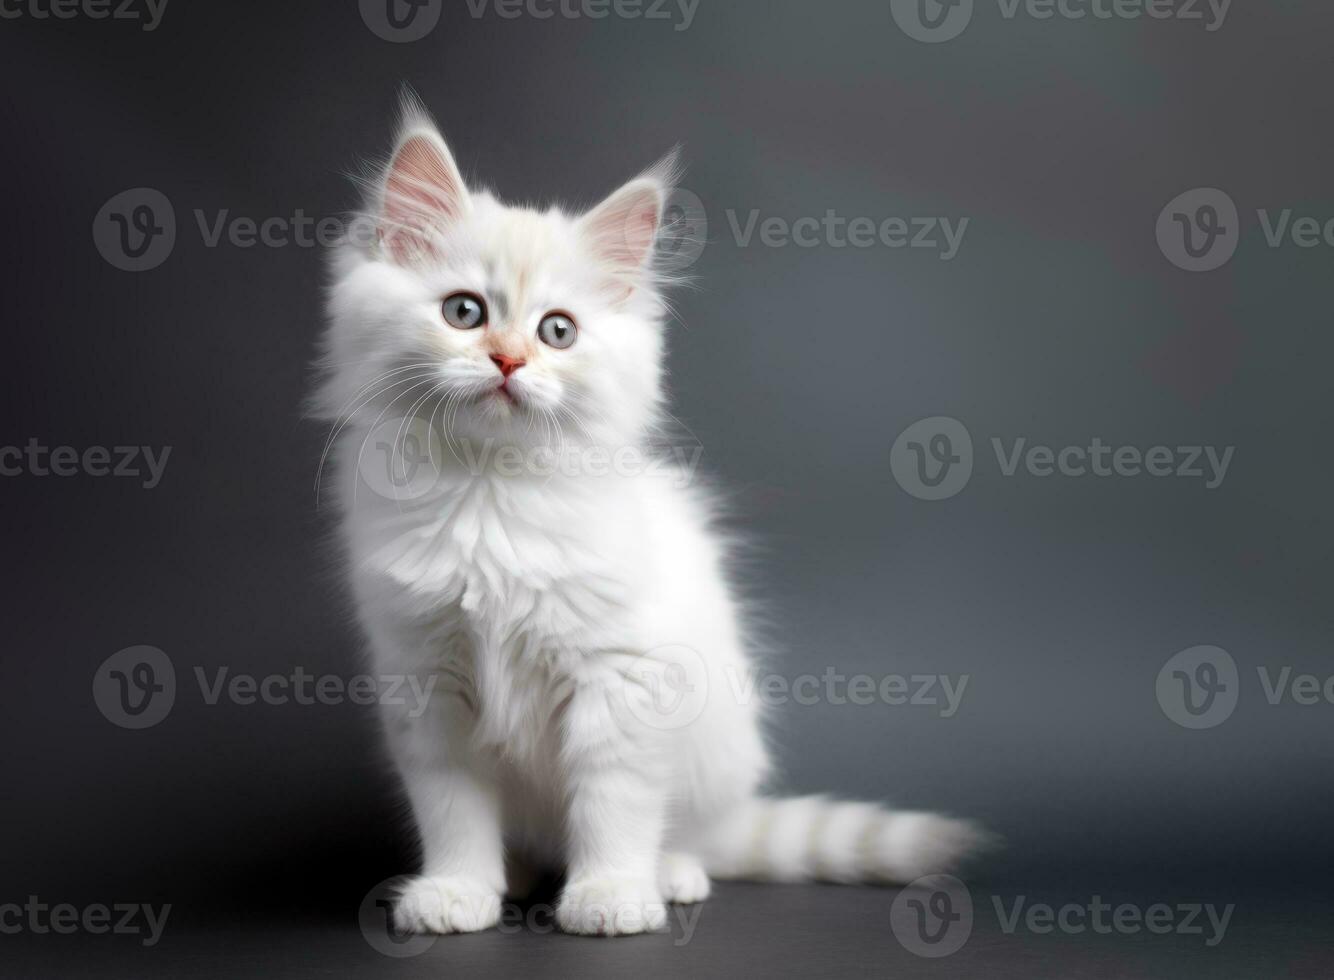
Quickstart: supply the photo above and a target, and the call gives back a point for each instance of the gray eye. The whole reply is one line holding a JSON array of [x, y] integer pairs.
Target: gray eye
[[465, 311], [557, 330]]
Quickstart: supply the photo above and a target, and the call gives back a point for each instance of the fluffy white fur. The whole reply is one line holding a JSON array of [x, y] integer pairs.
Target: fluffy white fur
[[552, 608]]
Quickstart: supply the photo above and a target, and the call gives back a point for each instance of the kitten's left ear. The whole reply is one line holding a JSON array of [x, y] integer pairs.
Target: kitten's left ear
[[423, 191], [622, 230]]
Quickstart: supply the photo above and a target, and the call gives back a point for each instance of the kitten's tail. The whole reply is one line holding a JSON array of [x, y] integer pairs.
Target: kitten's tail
[[812, 838]]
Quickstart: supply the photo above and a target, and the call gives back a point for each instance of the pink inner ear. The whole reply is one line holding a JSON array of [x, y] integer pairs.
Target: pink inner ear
[[422, 188], [623, 227], [641, 226]]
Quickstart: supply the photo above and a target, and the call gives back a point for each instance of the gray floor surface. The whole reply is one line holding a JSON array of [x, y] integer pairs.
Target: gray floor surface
[[744, 930]]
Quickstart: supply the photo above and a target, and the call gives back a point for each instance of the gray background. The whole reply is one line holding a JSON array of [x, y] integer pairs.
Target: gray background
[[1059, 320]]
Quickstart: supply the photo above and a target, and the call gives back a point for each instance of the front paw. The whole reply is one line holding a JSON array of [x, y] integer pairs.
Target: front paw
[[446, 903], [611, 907], [683, 879]]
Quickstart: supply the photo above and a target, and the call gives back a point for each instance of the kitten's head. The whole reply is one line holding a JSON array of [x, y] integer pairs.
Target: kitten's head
[[495, 321]]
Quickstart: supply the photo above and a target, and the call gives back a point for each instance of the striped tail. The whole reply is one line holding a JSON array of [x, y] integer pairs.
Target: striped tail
[[813, 838]]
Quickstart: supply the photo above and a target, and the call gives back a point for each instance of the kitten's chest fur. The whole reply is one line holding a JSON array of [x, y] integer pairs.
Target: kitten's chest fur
[[504, 586], [506, 555]]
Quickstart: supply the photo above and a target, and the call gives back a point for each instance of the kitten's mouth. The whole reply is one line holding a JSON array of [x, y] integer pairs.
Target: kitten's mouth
[[503, 391]]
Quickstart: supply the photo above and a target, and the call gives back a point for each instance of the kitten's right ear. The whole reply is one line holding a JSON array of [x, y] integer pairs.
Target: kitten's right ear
[[623, 230], [422, 193]]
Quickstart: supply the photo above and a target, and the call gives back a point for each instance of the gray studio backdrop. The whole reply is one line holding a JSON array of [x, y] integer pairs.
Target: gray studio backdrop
[[1109, 228]]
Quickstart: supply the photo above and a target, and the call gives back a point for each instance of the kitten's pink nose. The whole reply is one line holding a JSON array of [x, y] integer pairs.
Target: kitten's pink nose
[[508, 365]]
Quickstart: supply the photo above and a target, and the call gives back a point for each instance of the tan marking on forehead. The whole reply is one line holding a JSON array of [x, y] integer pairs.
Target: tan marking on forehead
[[519, 254], [520, 288]]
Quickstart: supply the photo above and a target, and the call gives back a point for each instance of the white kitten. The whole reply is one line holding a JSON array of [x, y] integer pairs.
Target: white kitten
[[577, 617]]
